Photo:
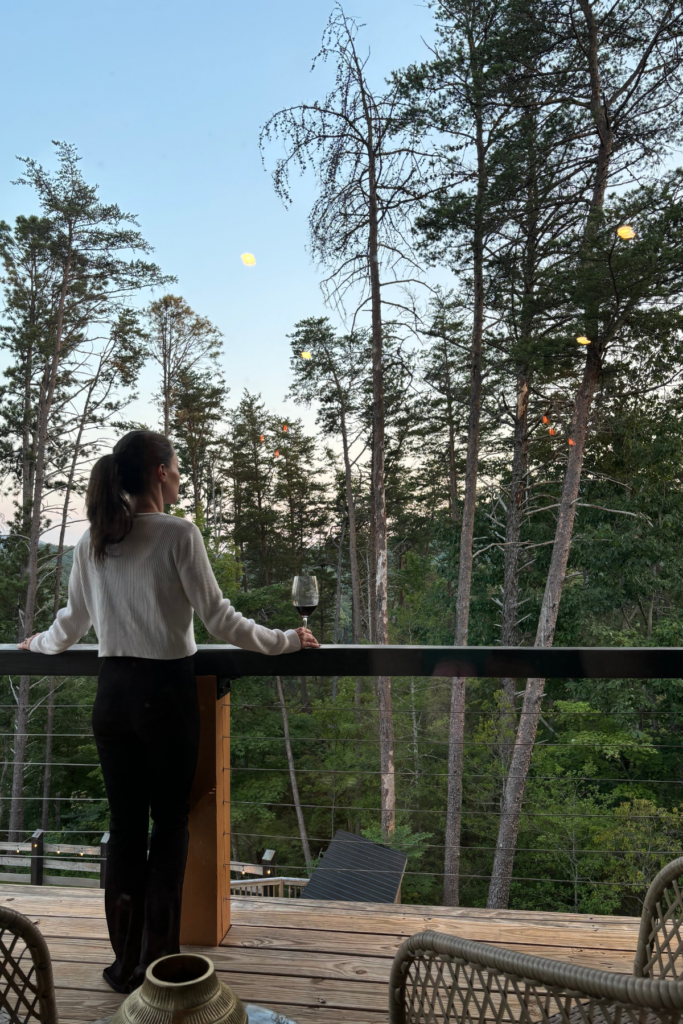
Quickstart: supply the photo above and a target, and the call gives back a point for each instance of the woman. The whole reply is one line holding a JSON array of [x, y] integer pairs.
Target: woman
[[137, 577]]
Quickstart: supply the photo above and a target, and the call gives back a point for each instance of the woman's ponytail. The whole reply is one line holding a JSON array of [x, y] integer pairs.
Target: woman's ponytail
[[107, 507], [126, 471]]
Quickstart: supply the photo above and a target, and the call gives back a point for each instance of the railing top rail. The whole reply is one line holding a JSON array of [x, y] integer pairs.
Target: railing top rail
[[391, 660]]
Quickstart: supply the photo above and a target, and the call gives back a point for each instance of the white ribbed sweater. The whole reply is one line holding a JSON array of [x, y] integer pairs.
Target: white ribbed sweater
[[141, 599]]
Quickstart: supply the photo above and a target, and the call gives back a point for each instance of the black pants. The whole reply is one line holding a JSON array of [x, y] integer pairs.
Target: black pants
[[146, 725]]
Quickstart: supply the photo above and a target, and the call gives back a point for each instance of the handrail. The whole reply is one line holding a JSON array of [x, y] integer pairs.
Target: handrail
[[228, 662]]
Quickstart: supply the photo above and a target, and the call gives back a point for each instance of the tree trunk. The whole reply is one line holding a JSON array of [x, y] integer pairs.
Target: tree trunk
[[452, 468], [509, 634], [292, 777], [452, 473], [372, 564], [47, 776], [456, 739], [499, 890], [416, 744], [41, 455], [16, 813], [356, 602], [337, 600], [57, 593], [456, 733], [379, 518], [21, 715], [167, 343]]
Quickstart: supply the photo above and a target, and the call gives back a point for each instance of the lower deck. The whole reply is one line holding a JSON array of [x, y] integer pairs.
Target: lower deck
[[313, 961]]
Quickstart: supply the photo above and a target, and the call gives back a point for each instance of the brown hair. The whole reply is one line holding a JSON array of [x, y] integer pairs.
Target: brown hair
[[113, 478]]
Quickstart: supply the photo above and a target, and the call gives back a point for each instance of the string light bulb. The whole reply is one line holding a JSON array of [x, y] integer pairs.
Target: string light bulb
[[583, 340], [277, 454], [306, 355], [285, 427], [262, 438], [248, 259], [571, 443], [626, 232], [545, 419]]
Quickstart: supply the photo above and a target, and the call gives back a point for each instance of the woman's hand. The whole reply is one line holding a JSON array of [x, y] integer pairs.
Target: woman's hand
[[25, 645], [306, 638]]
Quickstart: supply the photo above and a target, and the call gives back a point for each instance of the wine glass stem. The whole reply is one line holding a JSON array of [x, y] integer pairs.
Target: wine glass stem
[[305, 621]]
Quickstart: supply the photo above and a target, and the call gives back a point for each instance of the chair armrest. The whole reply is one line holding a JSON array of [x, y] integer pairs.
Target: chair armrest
[[457, 975]]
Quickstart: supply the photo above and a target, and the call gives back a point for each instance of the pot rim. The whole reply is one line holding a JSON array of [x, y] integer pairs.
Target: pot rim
[[154, 980]]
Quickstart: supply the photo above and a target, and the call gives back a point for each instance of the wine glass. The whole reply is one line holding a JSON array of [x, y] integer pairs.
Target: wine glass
[[305, 596]]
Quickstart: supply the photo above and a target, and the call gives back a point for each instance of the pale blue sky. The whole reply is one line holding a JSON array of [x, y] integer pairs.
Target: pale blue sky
[[164, 101]]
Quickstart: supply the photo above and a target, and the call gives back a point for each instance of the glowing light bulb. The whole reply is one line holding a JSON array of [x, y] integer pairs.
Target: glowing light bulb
[[572, 443], [306, 355], [626, 232], [261, 438], [551, 431], [583, 340], [277, 455], [285, 427], [545, 419], [248, 259]]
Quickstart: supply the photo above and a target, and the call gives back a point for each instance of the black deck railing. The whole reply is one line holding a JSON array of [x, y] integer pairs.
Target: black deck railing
[[390, 660], [441, 662]]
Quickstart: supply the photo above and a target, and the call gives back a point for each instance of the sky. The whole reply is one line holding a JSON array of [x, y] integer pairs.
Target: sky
[[164, 102]]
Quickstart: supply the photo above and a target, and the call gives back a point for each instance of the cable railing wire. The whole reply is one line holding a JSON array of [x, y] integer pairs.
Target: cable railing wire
[[447, 874], [408, 773], [353, 709], [435, 810], [401, 772], [441, 846]]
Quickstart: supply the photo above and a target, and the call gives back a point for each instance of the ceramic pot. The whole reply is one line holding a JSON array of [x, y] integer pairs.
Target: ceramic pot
[[181, 988]]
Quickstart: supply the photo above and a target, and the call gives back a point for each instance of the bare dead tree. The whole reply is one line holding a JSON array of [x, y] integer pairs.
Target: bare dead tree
[[369, 175]]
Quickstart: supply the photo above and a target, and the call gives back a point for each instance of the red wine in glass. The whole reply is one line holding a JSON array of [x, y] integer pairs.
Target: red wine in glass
[[305, 596]]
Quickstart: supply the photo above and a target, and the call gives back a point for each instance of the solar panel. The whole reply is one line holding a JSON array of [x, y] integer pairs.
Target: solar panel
[[356, 869]]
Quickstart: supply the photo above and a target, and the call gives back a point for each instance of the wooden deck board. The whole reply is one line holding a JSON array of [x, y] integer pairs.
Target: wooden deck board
[[312, 961]]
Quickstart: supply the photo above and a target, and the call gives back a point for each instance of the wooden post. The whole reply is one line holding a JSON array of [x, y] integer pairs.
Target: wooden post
[[205, 917]]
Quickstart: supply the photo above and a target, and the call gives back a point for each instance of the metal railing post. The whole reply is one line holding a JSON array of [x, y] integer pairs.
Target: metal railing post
[[104, 848], [37, 857]]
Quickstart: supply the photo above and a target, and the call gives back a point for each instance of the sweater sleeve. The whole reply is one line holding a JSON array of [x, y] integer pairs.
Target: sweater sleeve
[[71, 623], [216, 612]]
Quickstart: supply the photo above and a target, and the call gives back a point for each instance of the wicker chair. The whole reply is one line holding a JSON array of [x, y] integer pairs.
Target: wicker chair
[[26, 986], [437, 978]]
